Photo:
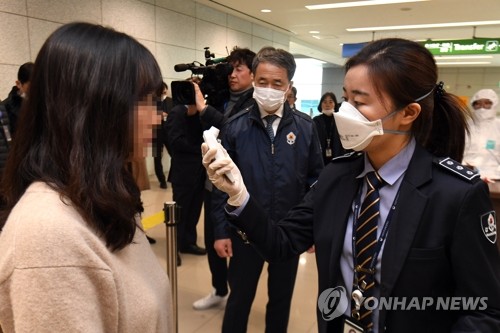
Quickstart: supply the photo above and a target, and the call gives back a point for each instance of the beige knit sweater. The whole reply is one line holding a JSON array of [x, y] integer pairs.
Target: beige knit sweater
[[57, 275]]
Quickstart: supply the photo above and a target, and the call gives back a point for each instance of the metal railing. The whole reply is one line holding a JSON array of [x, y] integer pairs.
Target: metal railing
[[171, 211]]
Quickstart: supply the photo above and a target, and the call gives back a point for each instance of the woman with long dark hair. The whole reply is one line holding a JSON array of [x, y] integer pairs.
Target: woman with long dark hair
[[73, 255]]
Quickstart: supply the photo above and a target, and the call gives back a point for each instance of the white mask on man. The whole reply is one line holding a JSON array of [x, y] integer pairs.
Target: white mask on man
[[269, 99], [356, 132]]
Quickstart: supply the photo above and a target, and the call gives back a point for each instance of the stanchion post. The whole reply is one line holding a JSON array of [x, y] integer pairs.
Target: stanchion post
[[170, 210]]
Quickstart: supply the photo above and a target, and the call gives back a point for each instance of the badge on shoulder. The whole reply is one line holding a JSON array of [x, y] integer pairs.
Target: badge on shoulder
[[352, 326], [489, 226]]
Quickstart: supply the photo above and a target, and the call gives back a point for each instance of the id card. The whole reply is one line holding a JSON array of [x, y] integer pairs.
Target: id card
[[351, 326]]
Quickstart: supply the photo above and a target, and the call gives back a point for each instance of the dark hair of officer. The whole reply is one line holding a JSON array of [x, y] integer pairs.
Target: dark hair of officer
[[276, 57], [78, 126], [406, 71]]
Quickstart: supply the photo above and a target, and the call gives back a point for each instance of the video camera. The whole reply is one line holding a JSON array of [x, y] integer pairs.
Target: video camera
[[214, 83]]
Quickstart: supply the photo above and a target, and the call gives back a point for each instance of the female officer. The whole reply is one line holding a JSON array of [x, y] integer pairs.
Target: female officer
[[401, 229]]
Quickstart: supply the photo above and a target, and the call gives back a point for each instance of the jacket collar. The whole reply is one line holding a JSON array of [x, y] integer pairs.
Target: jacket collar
[[285, 119], [243, 100]]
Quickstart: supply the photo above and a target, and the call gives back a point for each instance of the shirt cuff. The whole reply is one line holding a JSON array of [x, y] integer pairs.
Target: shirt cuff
[[236, 211]]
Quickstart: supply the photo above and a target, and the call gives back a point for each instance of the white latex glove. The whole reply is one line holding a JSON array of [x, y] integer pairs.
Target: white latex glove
[[216, 169]]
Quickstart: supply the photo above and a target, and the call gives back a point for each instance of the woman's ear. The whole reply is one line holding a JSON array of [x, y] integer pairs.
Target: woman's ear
[[410, 113]]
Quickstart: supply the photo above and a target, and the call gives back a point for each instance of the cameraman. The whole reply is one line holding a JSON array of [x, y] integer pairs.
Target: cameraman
[[241, 91], [187, 176]]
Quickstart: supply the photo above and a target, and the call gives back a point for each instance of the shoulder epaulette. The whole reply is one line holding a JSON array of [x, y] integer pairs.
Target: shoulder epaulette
[[347, 157], [457, 169]]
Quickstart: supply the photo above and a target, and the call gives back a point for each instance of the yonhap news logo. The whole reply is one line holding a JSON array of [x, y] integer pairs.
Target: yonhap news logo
[[333, 302]]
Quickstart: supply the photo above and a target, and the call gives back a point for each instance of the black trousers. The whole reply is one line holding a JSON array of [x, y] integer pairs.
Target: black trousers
[[245, 268], [157, 155], [217, 265], [189, 197]]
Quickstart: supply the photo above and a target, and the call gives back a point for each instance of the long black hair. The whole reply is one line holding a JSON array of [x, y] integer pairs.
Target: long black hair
[[76, 129]]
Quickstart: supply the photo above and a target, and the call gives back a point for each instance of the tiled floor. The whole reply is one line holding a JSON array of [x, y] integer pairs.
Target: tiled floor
[[194, 282]]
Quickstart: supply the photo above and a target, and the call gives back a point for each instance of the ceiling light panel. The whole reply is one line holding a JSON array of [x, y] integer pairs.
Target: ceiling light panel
[[359, 4], [425, 26]]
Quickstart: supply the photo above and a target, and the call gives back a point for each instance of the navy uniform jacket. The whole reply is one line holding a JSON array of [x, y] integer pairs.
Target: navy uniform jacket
[[435, 247], [281, 173]]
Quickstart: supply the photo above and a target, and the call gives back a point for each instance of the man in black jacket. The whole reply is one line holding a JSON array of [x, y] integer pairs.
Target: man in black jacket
[[241, 90], [161, 138]]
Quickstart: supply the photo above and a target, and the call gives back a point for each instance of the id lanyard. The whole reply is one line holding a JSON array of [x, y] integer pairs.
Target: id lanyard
[[385, 229]]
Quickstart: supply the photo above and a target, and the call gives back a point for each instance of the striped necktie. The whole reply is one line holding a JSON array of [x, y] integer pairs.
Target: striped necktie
[[269, 126], [366, 241]]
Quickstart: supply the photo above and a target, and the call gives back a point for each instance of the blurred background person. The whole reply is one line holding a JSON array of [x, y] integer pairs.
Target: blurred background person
[[73, 253], [291, 98], [482, 149], [327, 129], [187, 175], [161, 135], [5, 137], [18, 93]]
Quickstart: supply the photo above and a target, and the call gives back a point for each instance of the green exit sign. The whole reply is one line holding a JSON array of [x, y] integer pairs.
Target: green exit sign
[[464, 46]]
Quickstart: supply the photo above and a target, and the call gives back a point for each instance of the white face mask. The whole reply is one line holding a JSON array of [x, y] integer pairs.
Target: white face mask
[[485, 114], [327, 112], [356, 132], [269, 99]]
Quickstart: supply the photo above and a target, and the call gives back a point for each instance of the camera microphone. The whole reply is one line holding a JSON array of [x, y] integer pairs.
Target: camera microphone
[[183, 67]]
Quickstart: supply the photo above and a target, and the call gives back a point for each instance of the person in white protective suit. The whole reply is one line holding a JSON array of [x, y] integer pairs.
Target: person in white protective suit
[[482, 149]]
